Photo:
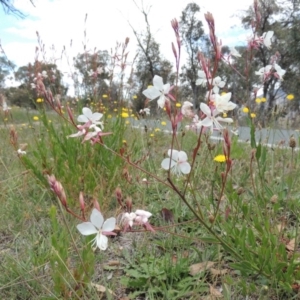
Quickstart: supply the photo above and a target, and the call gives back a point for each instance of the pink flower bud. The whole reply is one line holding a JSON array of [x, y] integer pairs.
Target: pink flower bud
[[96, 205], [81, 201]]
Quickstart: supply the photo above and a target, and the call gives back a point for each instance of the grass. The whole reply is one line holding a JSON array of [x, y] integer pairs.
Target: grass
[[43, 255]]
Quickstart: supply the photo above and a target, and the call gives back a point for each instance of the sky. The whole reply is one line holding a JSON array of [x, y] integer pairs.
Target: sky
[[60, 21]]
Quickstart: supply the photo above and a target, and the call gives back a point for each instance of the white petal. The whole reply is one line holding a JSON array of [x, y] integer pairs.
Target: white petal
[[226, 120], [215, 89], [221, 84], [165, 164], [158, 83], [182, 156], [201, 74], [82, 119], [97, 218], [166, 88], [207, 122], [102, 242], [161, 101], [79, 133], [185, 167], [87, 112], [174, 153], [109, 224], [97, 116], [86, 228], [205, 109], [141, 212], [152, 93]]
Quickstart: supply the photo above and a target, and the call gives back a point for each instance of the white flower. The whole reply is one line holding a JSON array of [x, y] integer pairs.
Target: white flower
[[5, 107], [202, 78], [99, 227], [186, 109], [177, 162], [142, 216], [264, 72], [234, 52], [212, 119], [32, 85], [21, 152], [158, 90], [90, 72], [129, 218], [217, 83], [223, 104], [145, 111], [44, 74], [89, 116], [267, 38], [279, 72]]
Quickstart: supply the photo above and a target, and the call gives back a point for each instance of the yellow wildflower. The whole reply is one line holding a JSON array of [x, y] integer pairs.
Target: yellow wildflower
[[35, 118], [178, 104], [109, 116], [134, 97], [156, 129], [263, 99], [253, 115], [39, 100], [290, 97], [127, 122], [258, 100], [124, 115], [104, 96], [245, 110], [220, 158], [152, 135], [163, 123]]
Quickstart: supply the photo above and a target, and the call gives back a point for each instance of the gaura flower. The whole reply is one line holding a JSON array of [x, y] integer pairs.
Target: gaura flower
[[21, 152], [99, 227], [187, 109], [202, 78], [142, 216], [279, 72], [234, 52], [212, 119], [267, 38], [217, 84], [129, 218], [158, 90], [177, 162], [264, 72], [89, 116], [222, 102]]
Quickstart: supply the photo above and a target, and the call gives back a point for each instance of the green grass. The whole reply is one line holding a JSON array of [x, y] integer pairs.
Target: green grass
[[43, 256]]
